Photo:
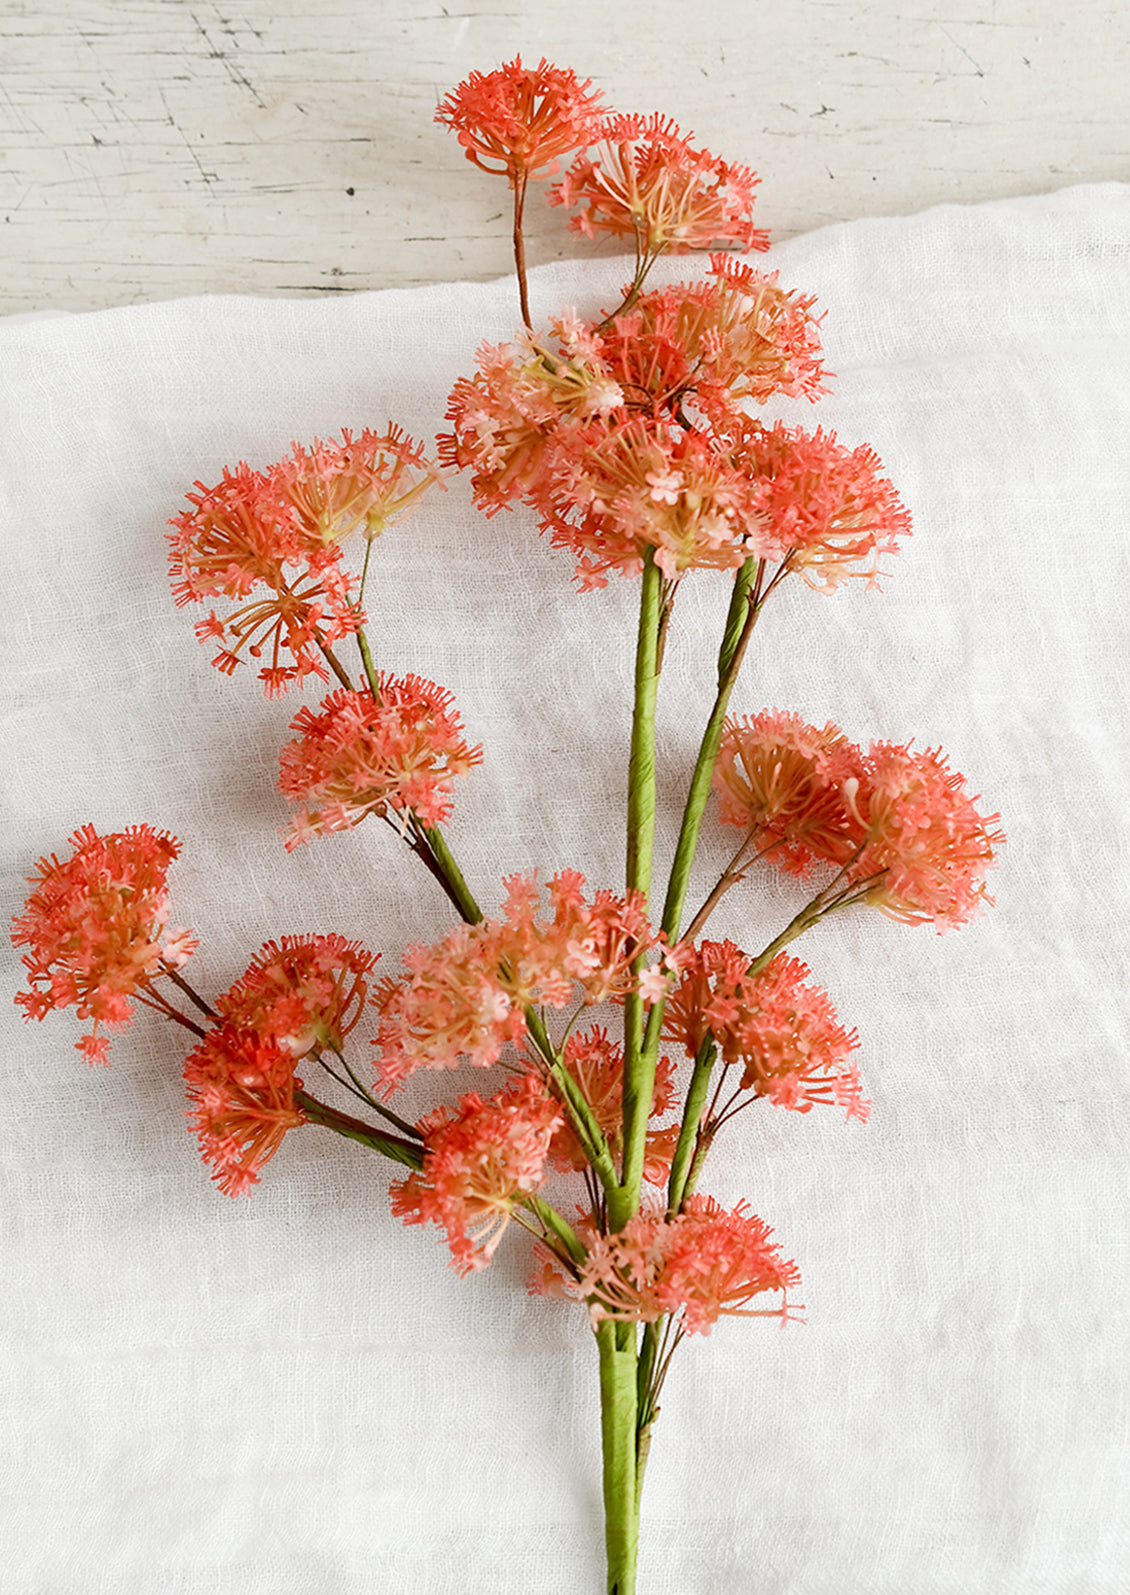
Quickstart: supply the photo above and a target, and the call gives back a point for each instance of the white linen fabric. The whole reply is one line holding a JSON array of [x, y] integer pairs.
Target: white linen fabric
[[294, 1392]]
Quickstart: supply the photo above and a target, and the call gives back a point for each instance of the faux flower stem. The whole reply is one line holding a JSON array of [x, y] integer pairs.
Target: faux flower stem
[[447, 872], [741, 618], [190, 992], [740, 621], [641, 766], [616, 1344], [556, 1226], [692, 1120], [367, 661], [576, 1104], [335, 664], [391, 1146], [639, 1071], [520, 179]]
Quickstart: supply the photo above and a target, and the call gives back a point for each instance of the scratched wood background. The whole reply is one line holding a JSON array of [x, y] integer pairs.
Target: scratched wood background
[[154, 148]]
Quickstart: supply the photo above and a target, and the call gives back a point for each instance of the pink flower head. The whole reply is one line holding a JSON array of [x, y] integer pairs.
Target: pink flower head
[[356, 756], [480, 1162], [762, 339], [645, 485], [783, 1032], [647, 182], [303, 994], [510, 419], [597, 1066], [718, 343], [827, 510], [242, 1089], [699, 1264], [928, 849], [245, 534], [95, 927], [518, 121], [466, 996], [791, 787], [361, 484]]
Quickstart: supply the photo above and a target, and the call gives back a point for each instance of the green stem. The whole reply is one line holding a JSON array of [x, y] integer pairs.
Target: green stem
[[555, 1225], [441, 862], [367, 663], [740, 621], [616, 1344], [639, 1069], [592, 1138], [692, 1119], [390, 1146], [641, 766]]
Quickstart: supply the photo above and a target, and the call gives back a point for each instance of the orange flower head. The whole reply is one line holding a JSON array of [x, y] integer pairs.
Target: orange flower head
[[510, 419], [95, 927], [243, 536], [361, 485], [518, 121], [242, 1089], [466, 996], [643, 484], [827, 510], [782, 1032]]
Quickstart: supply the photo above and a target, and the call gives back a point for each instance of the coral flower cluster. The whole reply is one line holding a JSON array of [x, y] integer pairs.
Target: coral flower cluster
[[303, 993], [295, 998], [628, 437], [518, 121], [482, 1160], [95, 927], [272, 540], [695, 1266], [241, 1092], [468, 996], [898, 825], [400, 750], [646, 181], [776, 1026]]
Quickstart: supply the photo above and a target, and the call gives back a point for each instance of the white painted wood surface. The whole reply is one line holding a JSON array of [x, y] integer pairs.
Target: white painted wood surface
[[154, 148]]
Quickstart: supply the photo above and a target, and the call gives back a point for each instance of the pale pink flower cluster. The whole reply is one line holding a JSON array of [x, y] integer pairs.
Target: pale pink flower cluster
[[467, 996], [359, 754], [779, 1029], [696, 1266], [95, 927], [481, 1161], [647, 181], [898, 825]]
